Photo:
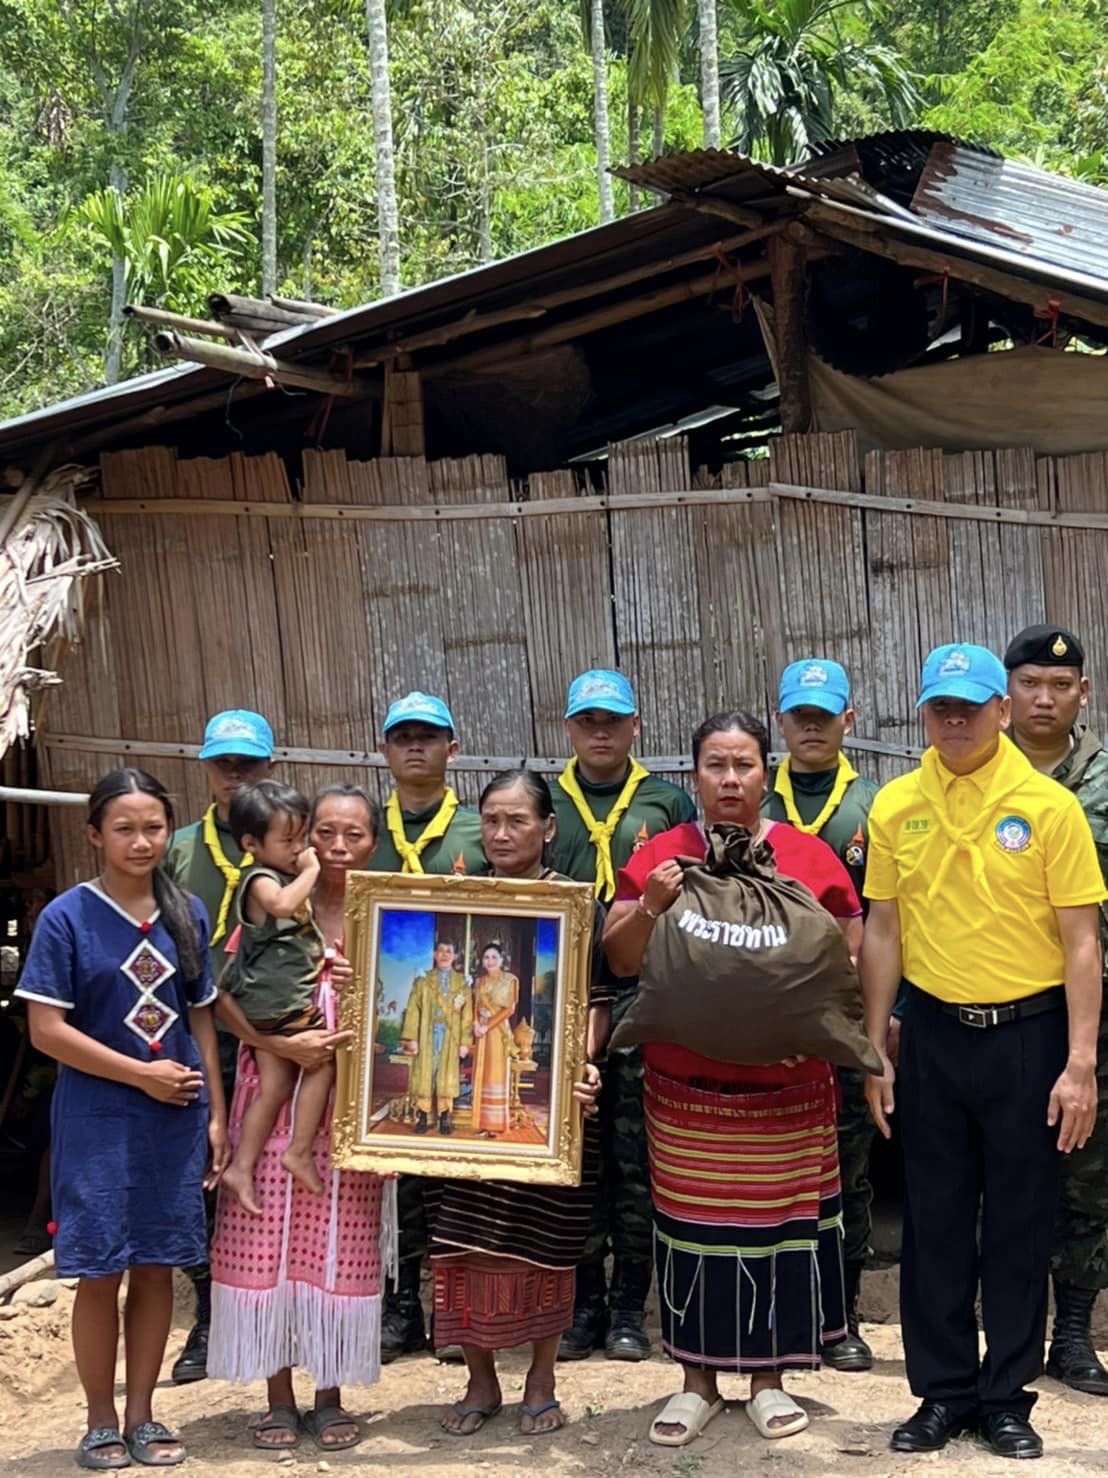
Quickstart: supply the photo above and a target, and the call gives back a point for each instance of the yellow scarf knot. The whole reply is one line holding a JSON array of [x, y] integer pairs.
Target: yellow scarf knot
[[783, 786], [602, 832], [1009, 774], [227, 869], [410, 852]]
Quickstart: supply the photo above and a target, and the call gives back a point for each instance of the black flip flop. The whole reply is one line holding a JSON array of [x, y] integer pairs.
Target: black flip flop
[[278, 1419], [536, 1411], [486, 1413], [322, 1419], [142, 1439], [92, 1442]]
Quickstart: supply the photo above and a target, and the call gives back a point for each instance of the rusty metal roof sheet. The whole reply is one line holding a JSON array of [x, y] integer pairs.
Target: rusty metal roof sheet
[[1040, 216]]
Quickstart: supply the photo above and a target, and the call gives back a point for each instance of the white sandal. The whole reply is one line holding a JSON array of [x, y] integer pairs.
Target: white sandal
[[770, 1405], [686, 1410]]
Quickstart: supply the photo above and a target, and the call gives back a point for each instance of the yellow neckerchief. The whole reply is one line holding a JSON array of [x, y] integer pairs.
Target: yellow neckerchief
[[601, 832], [783, 786], [229, 872], [1008, 771], [409, 852]]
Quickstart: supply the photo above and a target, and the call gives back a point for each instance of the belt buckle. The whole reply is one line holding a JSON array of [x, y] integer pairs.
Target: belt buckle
[[977, 1016]]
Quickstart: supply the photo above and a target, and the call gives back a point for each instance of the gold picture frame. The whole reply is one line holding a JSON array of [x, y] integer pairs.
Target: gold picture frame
[[436, 960]]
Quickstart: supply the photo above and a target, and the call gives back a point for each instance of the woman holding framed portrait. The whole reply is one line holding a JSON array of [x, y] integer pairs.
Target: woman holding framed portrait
[[749, 1263], [504, 1255]]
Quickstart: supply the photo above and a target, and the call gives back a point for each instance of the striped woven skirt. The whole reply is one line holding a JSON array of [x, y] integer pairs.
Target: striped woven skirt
[[747, 1222]]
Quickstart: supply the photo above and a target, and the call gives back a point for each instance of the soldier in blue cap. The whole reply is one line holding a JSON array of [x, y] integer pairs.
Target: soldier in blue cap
[[205, 859], [607, 806], [984, 888], [817, 790], [426, 831]]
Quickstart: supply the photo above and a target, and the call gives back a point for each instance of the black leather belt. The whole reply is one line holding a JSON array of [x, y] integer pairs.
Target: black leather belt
[[987, 1016]]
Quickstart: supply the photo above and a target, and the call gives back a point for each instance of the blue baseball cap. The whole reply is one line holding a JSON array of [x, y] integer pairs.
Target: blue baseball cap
[[237, 731], [814, 682], [419, 708], [961, 670], [601, 688]]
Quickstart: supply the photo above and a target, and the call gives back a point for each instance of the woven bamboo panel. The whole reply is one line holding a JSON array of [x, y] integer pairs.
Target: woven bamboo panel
[[484, 643], [1075, 560], [564, 569], [655, 565]]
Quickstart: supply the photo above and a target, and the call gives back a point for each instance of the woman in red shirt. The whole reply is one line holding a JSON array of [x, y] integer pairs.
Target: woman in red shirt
[[749, 1260]]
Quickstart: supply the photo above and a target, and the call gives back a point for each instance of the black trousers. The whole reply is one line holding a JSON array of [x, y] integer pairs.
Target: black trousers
[[972, 1105]]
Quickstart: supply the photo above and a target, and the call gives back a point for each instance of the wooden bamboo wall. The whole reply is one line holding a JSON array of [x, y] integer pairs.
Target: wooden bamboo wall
[[319, 623]]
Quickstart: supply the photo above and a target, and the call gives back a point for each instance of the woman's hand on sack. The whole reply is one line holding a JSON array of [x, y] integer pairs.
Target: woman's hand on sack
[[663, 886], [880, 1095], [588, 1090], [170, 1082]]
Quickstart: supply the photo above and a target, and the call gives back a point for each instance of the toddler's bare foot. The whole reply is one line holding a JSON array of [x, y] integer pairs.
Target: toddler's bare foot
[[302, 1168], [240, 1183]]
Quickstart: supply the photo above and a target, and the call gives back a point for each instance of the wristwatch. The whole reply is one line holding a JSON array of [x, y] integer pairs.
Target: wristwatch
[[642, 908]]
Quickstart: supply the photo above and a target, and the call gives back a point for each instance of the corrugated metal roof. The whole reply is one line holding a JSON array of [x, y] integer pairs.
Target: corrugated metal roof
[[1041, 216]]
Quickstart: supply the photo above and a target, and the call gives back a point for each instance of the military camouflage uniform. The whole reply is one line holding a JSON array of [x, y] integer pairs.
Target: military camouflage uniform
[[846, 833], [1080, 1253], [623, 1220]]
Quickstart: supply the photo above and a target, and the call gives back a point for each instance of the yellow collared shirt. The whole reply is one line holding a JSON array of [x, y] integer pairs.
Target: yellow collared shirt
[[1038, 854]]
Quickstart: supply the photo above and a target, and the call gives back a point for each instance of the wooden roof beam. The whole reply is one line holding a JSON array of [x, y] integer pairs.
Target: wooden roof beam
[[253, 365]]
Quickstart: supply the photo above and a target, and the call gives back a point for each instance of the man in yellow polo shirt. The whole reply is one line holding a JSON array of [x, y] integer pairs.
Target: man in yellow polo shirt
[[984, 888]]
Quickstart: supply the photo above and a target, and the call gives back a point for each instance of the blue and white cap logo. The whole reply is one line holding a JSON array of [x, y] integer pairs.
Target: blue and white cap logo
[[814, 676], [953, 663], [603, 689]]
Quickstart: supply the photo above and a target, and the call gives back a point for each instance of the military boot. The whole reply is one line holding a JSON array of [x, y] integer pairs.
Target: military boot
[[402, 1327], [850, 1353], [627, 1339], [1072, 1359], [586, 1333]]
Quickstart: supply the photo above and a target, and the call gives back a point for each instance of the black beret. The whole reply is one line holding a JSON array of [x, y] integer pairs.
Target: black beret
[[1045, 646]]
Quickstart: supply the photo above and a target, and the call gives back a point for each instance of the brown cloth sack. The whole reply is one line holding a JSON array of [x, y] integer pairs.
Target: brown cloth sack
[[747, 966]]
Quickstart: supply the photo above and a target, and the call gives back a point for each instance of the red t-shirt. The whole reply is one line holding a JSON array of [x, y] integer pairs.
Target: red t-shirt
[[799, 856]]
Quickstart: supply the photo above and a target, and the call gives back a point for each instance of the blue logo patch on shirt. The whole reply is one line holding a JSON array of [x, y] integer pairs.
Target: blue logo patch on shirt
[[1013, 834]]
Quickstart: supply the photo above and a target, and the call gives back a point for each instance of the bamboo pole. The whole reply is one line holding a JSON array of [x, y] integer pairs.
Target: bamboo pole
[[308, 310], [255, 313], [251, 364], [179, 321], [18, 794]]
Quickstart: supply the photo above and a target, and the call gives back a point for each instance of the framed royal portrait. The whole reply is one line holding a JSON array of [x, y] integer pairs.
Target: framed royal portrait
[[469, 1012]]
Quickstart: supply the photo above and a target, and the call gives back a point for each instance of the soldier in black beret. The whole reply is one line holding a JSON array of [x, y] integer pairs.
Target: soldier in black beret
[[1050, 693]]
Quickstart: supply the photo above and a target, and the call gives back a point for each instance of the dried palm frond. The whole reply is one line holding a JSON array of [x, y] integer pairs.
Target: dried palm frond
[[43, 562]]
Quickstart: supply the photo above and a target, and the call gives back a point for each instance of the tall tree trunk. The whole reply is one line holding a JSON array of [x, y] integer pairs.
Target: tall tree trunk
[[632, 148], [659, 122], [484, 209], [269, 147], [709, 72], [113, 356], [600, 108], [388, 217]]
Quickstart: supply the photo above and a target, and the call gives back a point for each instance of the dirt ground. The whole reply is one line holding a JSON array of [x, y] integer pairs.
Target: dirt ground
[[609, 1404]]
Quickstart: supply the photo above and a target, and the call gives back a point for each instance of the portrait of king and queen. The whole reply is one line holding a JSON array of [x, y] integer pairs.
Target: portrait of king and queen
[[468, 1013]]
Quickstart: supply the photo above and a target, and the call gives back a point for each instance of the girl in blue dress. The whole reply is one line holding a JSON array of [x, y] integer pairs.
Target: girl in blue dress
[[119, 992]]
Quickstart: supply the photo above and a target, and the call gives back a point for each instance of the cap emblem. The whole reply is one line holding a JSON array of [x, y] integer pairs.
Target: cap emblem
[[814, 676], [1059, 648], [956, 661]]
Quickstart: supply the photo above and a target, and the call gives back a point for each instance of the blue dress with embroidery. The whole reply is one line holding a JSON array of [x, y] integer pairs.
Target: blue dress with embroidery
[[126, 1171]]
